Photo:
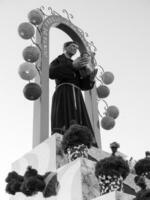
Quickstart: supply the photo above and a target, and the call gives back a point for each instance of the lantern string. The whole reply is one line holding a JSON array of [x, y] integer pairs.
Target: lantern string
[[38, 69], [38, 30], [36, 44], [100, 114], [101, 68], [100, 80], [105, 106]]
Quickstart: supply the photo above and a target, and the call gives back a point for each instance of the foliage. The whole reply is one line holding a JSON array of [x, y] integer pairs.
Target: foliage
[[113, 165], [77, 135], [142, 166]]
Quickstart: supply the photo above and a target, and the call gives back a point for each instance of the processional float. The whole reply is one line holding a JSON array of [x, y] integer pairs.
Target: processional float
[[50, 172]]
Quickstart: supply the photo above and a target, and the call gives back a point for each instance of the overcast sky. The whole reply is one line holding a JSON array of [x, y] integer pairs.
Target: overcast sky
[[120, 29]]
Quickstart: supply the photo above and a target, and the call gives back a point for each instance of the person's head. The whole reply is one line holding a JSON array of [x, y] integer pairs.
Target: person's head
[[70, 48]]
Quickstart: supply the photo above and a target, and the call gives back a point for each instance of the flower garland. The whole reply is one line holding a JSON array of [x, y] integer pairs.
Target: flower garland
[[76, 141], [109, 183], [111, 171], [77, 151]]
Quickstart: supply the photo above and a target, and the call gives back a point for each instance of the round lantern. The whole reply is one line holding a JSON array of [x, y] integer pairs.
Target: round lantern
[[107, 122], [103, 91], [107, 77], [26, 30], [112, 111], [32, 91], [27, 71], [35, 17], [31, 54]]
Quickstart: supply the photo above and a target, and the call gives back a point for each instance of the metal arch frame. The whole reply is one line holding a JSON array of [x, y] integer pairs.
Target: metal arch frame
[[41, 106]]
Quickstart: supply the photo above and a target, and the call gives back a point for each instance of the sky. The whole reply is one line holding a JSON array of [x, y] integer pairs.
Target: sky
[[120, 29]]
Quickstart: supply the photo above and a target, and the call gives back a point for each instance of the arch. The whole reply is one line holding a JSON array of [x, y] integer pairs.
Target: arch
[[41, 106]]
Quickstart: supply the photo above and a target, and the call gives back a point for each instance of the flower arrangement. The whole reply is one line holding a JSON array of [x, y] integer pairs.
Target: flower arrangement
[[76, 141], [111, 172], [14, 182], [32, 183], [142, 167]]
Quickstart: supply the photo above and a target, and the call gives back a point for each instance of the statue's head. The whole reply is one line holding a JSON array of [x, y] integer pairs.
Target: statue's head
[[70, 48]]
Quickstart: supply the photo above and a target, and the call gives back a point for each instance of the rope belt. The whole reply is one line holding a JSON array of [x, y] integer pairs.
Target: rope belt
[[73, 90], [71, 84]]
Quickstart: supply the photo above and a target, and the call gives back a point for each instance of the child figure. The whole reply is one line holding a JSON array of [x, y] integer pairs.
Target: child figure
[[87, 69]]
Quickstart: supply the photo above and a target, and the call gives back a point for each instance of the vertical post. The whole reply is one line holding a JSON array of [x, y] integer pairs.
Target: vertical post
[[41, 106], [92, 108]]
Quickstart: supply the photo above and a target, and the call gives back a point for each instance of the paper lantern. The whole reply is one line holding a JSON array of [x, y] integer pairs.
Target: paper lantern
[[31, 54], [27, 71], [112, 111], [103, 91], [107, 77], [107, 122], [26, 30], [32, 91], [35, 17]]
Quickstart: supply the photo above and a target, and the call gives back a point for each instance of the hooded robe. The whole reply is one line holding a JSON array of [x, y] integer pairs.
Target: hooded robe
[[67, 103]]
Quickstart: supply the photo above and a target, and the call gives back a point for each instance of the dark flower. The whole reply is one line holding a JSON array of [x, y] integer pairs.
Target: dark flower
[[142, 167], [13, 176], [113, 165], [14, 181], [30, 172], [77, 135], [13, 187], [32, 185]]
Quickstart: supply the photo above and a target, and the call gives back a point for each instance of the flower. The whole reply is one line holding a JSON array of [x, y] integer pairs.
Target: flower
[[77, 135]]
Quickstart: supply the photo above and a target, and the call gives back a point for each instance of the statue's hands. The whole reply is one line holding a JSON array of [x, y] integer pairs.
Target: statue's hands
[[76, 63], [80, 62], [84, 61]]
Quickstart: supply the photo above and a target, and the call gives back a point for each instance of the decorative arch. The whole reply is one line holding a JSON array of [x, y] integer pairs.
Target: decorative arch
[[41, 106]]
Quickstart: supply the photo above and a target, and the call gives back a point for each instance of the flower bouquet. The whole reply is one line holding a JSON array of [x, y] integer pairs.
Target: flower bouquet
[[142, 167], [32, 183], [76, 141], [111, 172]]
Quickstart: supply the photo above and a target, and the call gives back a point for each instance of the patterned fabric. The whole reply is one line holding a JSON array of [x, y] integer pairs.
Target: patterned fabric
[[109, 183], [76, 152], [146, 174]]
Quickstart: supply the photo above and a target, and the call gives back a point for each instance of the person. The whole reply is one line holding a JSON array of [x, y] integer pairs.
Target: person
[[67, 102]]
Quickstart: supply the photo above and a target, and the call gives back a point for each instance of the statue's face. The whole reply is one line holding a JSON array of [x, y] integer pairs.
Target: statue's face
[[72, 49]]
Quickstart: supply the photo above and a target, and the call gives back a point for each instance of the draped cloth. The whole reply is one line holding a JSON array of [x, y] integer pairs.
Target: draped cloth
[[67, 103]]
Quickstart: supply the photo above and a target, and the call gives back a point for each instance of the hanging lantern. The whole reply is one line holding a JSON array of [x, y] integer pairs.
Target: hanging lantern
[[112, 111], [27, 71], [35, 17], [31, 54], [107, 122], [32, 91], [26, 30], [107, 77], [103, 91]]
